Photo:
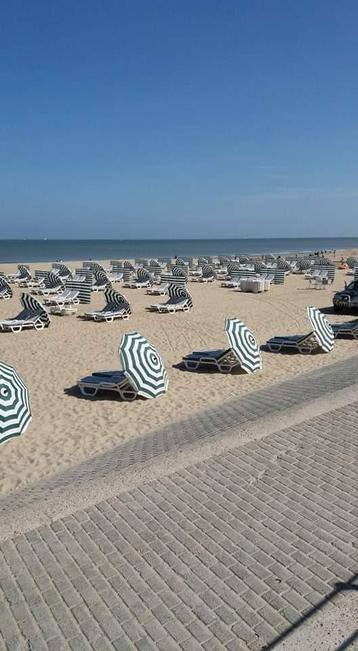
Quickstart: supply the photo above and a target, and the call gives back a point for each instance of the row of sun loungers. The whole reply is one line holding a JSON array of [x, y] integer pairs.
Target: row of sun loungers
[[34, 315], [144, 374]]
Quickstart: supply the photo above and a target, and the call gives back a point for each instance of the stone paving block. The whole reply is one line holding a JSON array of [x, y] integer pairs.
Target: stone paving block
[[227, 552]]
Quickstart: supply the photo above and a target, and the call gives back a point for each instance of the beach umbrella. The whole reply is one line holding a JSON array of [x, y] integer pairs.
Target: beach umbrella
[[143, 365], [244, 345], [283, 264], [352, 262], [179, 271], [15, 410], [207, 271], [303, 264], [322, 329], [143, 274]]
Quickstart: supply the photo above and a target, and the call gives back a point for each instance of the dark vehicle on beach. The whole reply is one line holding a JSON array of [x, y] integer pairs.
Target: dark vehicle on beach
[[347, 299]]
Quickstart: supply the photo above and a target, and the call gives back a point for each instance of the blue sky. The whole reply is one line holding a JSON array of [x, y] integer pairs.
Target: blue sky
[[178, 118]]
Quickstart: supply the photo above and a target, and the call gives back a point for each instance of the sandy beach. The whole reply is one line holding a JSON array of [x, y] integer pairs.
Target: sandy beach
[[67, 429]]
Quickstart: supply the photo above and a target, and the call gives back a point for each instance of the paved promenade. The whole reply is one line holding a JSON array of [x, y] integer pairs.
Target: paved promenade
[[230, 551]]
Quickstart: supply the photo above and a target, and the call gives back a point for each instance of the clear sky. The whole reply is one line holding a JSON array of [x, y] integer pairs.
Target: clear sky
[[178, 118]]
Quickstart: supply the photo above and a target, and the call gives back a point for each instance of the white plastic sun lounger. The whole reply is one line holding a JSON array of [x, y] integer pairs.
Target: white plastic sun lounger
[[33, 315], [160, 290], [67, 297], [107, 381], [138, 284], [174, 304], [348, 328], [34, 283], [19, 324], [222, 360], [304, 344], [108, 314], [117, 307]]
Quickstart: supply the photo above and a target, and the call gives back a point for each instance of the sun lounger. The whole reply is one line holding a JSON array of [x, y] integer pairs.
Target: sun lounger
[[22, 274], [143, 280], [320, 339], [143, 372], [179, 300], [33, 316], [33, 283], [67, 297], [106, 381], [52, 285], [208, 274], [348, 328], [159, 290], [231, 283], [117, 307], [62, 270], [243, 353]]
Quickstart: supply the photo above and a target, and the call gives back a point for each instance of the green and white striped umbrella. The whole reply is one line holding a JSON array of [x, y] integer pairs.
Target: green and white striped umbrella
[[15, 409], [244, 345], [143, 365], [322, 328]]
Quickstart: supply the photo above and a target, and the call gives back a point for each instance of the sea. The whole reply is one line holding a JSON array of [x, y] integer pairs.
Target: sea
[[51, 250]]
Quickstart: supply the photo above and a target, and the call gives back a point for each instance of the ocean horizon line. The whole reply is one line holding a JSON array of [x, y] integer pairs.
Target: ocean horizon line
[[171, 239], [51, 250]]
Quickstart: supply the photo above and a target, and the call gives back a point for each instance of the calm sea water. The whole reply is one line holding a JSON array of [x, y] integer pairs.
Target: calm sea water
[[51, 250]]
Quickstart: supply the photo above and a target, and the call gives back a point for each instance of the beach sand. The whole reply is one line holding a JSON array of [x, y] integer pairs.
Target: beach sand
[[67, 429]]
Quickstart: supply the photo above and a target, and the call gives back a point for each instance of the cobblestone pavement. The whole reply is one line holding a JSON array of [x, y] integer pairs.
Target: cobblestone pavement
[[200, 427], [224, 554]]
